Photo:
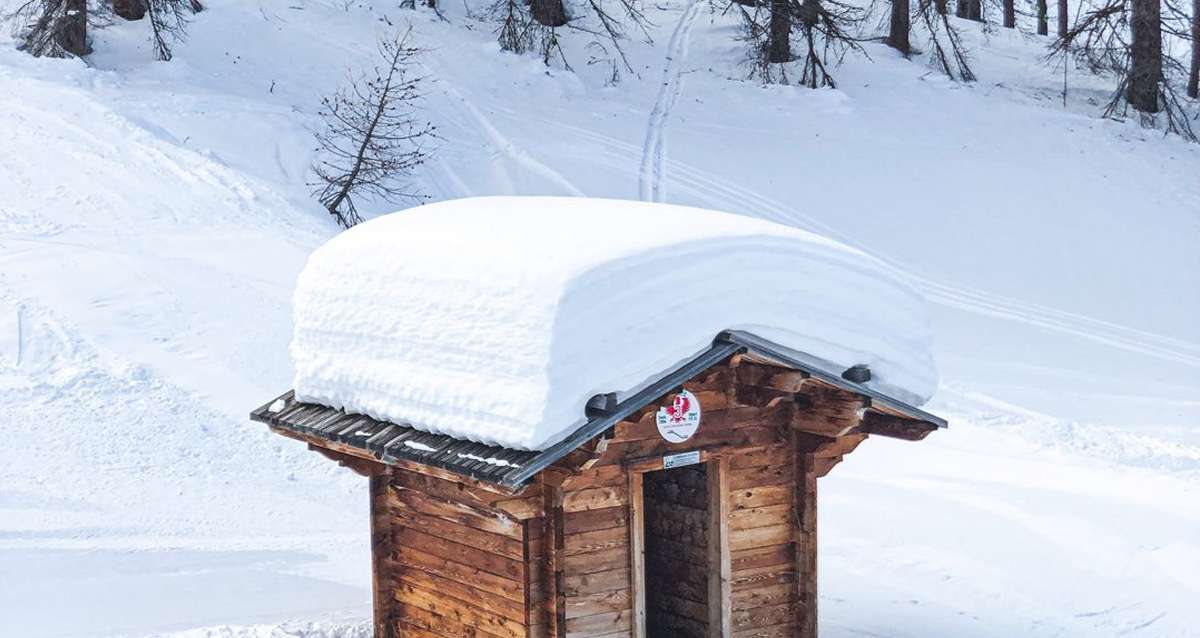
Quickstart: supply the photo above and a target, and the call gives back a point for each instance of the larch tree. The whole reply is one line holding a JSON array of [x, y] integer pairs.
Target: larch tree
[[373, 137], [1063, 18], [1010, 13], [1043, 24]]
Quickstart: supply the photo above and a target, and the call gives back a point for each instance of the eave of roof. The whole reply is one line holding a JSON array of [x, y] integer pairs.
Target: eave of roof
[[391, 442]]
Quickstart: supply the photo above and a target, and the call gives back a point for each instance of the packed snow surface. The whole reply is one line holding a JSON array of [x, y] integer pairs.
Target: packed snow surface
[[495, 319]]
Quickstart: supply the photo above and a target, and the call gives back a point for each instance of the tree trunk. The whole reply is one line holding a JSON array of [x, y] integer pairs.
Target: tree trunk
[[129, 9], [1145, 55], [971, 9], [940, 5], [1193, 87], [1010, 14], [1043, 25], [779, 43], [550, 13], [899, 28], [70, 33], [1062, 19]]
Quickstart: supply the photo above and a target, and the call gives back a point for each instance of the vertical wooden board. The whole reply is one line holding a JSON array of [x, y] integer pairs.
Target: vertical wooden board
[[806, 543], [637, 554], [719, 574], [552, 547], [381, 538]]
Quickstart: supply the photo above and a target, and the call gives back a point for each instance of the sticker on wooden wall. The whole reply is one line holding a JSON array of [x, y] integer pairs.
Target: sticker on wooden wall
[[680, 420]]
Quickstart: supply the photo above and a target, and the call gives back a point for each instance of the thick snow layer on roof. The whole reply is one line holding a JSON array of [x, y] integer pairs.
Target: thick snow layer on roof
[[496, 319]]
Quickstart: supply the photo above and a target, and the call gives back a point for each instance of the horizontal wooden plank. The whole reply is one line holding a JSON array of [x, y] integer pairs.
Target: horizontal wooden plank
[[595, 519], [449, 550], [595, 498], [459, 611], [459, 533], [585, 542], [589, 626], [761, 537], [597, 603], [408, 558], [584, 584], [457, 512], [480, 600]]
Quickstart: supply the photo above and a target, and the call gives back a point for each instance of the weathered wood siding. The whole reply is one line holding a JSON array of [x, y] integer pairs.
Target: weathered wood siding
[[458, 565], [465, 560]]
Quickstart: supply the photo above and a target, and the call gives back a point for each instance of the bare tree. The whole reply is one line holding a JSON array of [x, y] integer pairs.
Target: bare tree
[[1010, 13], [372, 137], [53, 28], [1043, 26], [946, 48], [168, 22], [1063, 18], [827, 29], [1123, 38]]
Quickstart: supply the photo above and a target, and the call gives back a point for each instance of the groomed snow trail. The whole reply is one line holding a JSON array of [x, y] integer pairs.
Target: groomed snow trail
[[650, 174]]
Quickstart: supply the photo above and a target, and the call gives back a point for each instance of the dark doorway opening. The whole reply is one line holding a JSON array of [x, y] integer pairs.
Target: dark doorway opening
[[676, 505]]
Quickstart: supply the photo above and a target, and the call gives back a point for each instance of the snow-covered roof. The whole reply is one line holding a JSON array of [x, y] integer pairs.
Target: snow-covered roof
[[496, 319]]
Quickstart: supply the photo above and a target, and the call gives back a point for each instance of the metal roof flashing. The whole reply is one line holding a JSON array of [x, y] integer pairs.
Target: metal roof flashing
[[391, 442]]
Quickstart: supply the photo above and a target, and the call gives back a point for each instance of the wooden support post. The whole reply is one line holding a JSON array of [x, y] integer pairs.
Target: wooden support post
[[552, 542], [382, 582], [720, 597], [637, 552], [805, 507]]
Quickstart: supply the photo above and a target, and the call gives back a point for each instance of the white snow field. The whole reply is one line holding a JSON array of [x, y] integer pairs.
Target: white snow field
[[154, 219], [495, 319]]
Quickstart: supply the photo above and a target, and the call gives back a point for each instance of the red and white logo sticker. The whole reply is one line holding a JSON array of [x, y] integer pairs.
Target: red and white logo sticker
[[680, 420]]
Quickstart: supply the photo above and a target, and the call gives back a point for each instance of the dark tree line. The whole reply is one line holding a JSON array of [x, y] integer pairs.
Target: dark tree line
[[59, 28], [1121, 38]]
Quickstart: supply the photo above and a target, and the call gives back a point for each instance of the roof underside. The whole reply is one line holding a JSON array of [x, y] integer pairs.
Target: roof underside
[[392, 442]]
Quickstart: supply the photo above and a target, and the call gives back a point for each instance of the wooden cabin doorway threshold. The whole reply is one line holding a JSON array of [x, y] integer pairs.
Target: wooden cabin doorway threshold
[[679, 545]]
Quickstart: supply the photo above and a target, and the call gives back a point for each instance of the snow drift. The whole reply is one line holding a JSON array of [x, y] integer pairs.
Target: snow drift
[[496, 319]]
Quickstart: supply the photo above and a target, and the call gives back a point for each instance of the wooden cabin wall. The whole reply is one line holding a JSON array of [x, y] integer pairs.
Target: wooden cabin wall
[[457, 564], [771, 560], [595, 556]]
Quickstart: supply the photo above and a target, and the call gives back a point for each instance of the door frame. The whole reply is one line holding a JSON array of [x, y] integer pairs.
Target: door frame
[[720, 621]]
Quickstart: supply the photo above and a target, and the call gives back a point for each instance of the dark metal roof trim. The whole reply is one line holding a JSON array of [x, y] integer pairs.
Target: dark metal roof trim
[[640, 399], [512, 468], [825, 371]]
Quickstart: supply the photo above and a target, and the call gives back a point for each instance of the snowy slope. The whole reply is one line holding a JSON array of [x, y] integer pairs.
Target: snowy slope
[[153, 219]]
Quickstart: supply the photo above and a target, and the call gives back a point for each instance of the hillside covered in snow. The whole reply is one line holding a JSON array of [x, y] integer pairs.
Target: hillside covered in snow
[[155, 216]]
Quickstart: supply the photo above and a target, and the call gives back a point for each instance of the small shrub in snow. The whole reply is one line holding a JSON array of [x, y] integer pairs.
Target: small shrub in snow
[[372, 137]]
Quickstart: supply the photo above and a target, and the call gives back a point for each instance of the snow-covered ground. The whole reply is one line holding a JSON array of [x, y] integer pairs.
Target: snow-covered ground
[[154, 217]]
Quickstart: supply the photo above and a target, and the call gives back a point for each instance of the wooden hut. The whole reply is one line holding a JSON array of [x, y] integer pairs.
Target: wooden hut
[[689, 508]]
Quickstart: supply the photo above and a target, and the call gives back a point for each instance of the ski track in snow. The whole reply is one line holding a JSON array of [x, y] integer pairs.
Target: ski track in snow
[[723, 194], [651, 172]]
